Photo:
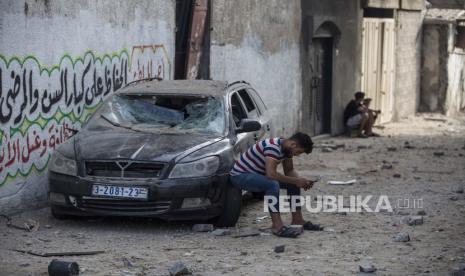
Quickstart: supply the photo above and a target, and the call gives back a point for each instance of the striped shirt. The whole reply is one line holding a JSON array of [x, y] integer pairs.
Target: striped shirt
[[253, 160]]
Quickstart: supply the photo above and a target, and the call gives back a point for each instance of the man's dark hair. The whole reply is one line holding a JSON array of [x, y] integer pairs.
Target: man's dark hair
[[304, 141], [359, 95]]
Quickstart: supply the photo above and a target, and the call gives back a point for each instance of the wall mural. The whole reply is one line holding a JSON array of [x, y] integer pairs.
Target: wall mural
[[39, 104]]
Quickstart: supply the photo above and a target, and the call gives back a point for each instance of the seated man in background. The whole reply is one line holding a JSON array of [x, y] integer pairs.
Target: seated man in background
[[358, 118], [374, 113]]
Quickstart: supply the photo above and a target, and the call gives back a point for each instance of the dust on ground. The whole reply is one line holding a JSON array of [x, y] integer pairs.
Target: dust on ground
[[418, 162]]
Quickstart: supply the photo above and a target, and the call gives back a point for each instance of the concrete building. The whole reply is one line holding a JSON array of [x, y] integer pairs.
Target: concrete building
[[443, 62], [60, 59]]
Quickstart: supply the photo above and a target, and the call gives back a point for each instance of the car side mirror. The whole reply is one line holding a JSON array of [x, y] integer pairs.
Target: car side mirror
[[248, 125]]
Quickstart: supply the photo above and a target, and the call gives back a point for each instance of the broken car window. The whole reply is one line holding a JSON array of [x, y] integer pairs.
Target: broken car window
[[164, 113]]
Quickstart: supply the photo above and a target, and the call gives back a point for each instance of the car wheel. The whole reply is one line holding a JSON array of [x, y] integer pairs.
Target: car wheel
[[231, 208], [55, 210]]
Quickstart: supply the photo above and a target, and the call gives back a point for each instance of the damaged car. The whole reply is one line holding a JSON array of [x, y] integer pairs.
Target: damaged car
[[160, 149]]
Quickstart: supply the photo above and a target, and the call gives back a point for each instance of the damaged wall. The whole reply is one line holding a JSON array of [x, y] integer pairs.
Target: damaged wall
[[342, 21], [455, 97], [408, 63], [58, 61], [434, 79], [258, 41]]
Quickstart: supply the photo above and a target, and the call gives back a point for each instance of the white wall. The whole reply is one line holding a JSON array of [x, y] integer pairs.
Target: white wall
[[58, 61]]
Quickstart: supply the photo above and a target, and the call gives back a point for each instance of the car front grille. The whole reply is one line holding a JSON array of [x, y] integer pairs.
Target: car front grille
[[124, 206], [124, 169]]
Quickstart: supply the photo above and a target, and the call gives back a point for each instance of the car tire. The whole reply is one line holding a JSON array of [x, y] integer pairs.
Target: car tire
[[55, 210], [231, 208]]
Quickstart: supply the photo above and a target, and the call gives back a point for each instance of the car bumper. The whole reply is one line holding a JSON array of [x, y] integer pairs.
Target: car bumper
[[170, 199]]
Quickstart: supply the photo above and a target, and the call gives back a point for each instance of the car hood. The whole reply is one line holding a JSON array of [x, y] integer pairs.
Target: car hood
[[107, 145]]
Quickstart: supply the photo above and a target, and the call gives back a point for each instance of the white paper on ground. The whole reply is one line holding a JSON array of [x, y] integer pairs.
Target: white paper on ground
[[350, 182]]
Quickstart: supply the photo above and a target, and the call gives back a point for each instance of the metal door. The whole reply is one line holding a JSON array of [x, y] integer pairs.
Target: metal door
[[322, 85], [378, 64]]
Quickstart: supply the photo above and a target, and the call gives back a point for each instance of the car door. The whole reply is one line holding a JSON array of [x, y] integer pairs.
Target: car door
[[264, 114], [238, 113]]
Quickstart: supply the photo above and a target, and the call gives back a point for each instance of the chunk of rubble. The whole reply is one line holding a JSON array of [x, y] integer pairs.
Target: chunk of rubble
[[179, 269], [367, 268], [203, 227], [415, 220], [221, 232], [279, 248], [421, 213], [458, 190], [402, 237]]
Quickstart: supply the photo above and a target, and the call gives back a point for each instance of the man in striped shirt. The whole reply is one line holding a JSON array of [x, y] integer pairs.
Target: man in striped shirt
[[256, 171]]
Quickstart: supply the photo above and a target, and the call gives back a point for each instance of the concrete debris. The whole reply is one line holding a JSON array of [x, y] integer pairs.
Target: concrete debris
[[402, 237], [415, 220], [458, 190], [127, 262], [421, 213], [246, 232], [178, 269], [454, 198], [221, 232], [367, 268], [458, 270], [326, 150], [203, 227], [279, 249], [387, 166]]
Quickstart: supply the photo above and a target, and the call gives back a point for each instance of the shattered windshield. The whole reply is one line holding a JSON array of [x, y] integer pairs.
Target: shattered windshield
[[176, 114]]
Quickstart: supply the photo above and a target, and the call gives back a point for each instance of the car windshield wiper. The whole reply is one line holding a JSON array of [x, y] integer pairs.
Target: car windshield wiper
[[118, 124]]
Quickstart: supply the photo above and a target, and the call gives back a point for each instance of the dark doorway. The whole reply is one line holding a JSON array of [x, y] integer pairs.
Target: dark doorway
[[322, 85], [183, 22]]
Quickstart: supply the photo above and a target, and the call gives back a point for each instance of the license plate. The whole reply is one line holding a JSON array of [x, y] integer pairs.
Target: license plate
[[119, 191]]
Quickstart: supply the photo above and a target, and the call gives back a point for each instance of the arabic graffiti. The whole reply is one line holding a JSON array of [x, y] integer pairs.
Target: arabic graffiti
[[39, 105]]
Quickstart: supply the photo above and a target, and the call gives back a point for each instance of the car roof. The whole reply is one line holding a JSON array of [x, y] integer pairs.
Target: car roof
[[187, 87]]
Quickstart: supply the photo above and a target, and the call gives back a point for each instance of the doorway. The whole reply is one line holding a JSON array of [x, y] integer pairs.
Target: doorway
[[322, 79], [378, 64]]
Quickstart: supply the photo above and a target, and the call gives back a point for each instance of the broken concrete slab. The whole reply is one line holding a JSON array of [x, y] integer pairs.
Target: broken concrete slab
[[415, 220], [327, 150], [279, 248], [221, 232], [203, 227], [402, 237], [367, 268], [421, 213], [178, 269], [387, 166]]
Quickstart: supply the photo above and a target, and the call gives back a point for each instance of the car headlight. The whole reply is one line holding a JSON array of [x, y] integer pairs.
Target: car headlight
[[203, 167], [60, 164]]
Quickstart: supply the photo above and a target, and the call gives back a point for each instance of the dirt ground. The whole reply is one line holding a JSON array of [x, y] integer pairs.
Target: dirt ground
[[419, 175]]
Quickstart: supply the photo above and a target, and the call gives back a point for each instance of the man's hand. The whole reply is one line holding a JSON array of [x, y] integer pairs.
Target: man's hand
[[304, 183]]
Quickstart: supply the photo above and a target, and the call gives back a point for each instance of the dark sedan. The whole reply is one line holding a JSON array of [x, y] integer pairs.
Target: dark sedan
[[160, 149]]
